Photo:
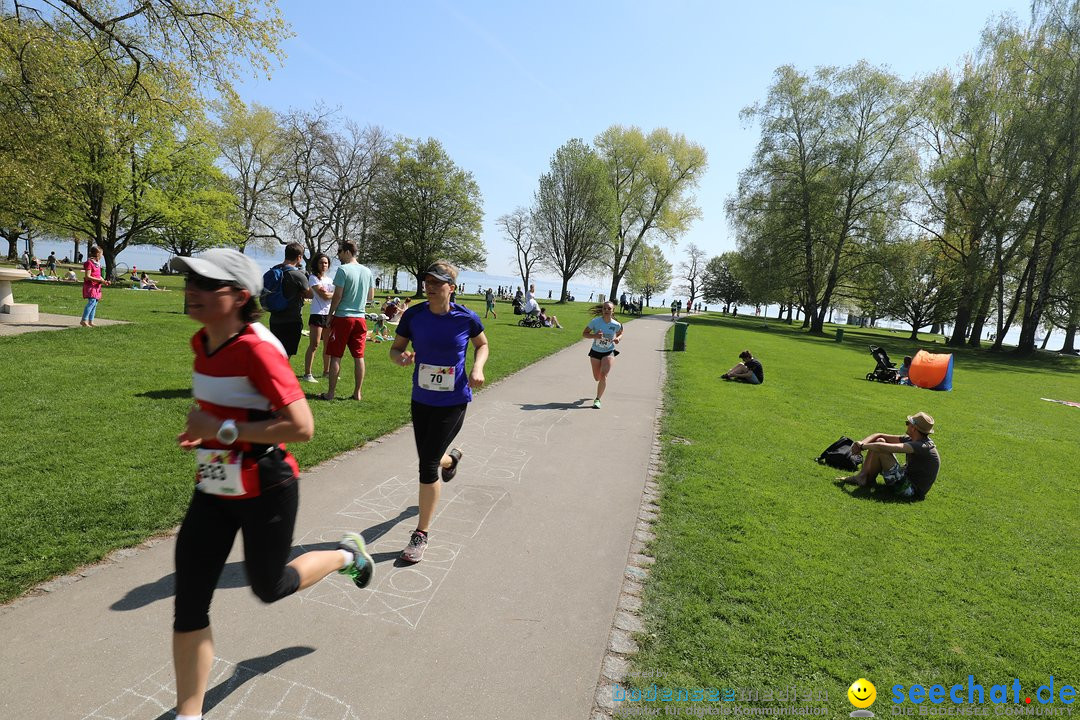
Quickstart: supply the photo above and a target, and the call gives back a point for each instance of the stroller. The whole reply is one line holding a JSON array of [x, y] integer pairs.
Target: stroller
[[885, 371], [531, 319]]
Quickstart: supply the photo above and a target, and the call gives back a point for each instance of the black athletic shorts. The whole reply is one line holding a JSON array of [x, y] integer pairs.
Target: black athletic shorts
[[322, 321], [602, 355]]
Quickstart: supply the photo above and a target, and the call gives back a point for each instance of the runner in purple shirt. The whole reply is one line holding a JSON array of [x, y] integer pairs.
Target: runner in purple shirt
[[440, 333]]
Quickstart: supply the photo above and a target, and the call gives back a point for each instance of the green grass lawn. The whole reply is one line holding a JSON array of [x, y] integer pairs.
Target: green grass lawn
[[770, 575], [90, 419]]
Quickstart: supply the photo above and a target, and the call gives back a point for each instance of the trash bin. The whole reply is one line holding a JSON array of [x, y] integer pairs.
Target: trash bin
[[680, 336], [839, 334]]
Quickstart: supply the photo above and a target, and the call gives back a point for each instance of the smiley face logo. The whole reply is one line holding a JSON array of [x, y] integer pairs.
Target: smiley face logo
[[862, 693]]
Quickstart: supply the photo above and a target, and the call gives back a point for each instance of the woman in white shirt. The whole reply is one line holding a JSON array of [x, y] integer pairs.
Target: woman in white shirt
[[322, 291]]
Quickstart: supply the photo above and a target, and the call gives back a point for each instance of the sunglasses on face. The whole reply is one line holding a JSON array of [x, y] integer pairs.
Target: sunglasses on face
[[206, 284]]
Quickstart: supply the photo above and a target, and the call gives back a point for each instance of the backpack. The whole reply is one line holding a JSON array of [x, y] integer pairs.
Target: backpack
[[273, 293], [838, 455]]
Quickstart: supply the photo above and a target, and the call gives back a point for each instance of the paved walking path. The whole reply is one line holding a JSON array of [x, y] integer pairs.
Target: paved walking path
[[508, 615]]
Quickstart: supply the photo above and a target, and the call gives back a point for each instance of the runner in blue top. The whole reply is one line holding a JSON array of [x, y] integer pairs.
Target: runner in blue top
[[605, 332], [440, 333]]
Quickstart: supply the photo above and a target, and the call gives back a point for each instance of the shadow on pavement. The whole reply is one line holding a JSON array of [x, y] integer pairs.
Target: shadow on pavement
[[245, 670], [233, 575], [577, 404]]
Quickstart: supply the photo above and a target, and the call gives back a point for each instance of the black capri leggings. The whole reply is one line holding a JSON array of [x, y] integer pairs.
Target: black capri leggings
[[434, 428], [206, 537]]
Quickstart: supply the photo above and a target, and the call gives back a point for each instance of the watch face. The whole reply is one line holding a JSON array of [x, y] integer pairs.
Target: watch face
[[228, 433]]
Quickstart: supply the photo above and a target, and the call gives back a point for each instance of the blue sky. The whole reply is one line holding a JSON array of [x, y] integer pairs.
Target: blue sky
[[503, 84]]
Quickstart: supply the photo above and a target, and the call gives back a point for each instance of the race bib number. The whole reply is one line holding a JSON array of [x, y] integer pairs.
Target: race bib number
[[605, 343], [219, 472], [436, 377]]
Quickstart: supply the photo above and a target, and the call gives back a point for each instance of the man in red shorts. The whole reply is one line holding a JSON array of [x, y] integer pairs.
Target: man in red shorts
[[353, 290]]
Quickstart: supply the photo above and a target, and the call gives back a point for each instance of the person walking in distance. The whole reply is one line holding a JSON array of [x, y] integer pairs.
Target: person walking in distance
[[248, 405], [353, 290], [605, 332], [440, 333]]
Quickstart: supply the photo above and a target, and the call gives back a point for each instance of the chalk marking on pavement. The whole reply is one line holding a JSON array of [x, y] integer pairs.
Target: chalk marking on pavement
[[277, 698]]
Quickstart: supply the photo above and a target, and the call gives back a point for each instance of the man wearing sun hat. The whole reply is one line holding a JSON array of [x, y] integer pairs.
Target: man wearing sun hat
[[912, 480]]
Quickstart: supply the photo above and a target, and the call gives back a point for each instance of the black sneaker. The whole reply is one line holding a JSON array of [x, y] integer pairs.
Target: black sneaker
[[449, 473], [362, 568]]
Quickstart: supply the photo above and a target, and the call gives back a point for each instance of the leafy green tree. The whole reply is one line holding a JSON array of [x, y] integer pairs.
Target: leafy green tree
[[649, 273], [975, 180], [195, 203], [35, 111], [117, 157], [180, 42], [915, 285], [720, 283], [574, 211], [427, 208], [830, 168], [1053, 64], [652, 177]]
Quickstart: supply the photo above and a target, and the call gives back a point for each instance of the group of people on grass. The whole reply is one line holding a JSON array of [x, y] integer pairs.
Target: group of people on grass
[[910, 481]]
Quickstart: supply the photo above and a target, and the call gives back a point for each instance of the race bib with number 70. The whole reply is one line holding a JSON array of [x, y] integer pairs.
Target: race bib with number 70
[[436, 377]]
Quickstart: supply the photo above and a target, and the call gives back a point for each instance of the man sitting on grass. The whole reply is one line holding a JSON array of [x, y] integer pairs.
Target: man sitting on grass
[[909, 481], [749, 370]]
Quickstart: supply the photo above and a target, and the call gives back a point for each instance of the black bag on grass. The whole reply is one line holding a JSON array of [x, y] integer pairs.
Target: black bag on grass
[[838, 455]]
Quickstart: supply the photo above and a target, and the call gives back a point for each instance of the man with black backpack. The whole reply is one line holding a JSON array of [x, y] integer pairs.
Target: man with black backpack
[[285, 288]]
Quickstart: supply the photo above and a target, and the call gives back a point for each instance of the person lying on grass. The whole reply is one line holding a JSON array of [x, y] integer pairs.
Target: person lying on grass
[[912, 480]]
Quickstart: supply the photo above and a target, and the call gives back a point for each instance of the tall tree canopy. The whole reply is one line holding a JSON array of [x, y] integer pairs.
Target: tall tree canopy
[[574, 211], [831, 169], [649, 273], [427, 208], [652, 177]]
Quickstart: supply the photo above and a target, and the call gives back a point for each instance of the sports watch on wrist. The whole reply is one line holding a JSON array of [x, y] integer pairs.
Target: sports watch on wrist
[[227, 434]]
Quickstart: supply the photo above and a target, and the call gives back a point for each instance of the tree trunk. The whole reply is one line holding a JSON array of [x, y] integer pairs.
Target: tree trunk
[[963, 318], [935, 329], [1069, 346], [983, 311], [563, 295], [1046, 339]]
